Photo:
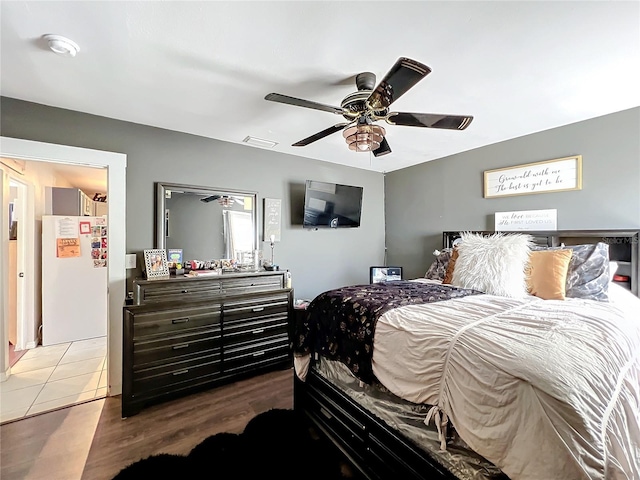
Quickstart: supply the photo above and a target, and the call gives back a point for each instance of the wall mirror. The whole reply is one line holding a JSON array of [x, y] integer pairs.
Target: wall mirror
[[206, 223]]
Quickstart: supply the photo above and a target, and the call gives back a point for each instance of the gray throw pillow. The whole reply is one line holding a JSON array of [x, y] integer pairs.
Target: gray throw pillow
[[588, 274], [438, 268]]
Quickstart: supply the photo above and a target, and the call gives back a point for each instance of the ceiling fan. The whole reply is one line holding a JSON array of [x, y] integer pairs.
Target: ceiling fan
[[371, 103], [224, 200]]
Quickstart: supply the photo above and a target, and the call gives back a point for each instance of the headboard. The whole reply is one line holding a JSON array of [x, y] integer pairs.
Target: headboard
[[624, 246]]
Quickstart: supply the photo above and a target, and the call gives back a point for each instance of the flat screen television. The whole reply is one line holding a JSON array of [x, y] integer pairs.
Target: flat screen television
[[331, 205]]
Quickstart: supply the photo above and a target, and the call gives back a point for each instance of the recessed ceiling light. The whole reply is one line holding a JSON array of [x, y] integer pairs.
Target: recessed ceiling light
[[259, 142], [62, 45]]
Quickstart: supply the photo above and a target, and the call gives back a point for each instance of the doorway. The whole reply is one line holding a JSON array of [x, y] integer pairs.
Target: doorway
[[22, 151], [66, 363]]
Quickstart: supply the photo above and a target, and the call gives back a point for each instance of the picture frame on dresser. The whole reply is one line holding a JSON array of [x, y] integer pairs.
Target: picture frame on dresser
[[156, 265]]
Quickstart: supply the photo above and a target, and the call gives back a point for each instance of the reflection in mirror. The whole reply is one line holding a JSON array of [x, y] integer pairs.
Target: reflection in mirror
[[206, 223]]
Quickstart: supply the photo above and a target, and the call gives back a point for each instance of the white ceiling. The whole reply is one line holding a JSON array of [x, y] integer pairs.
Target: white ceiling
[[90, 180], [205, 67]]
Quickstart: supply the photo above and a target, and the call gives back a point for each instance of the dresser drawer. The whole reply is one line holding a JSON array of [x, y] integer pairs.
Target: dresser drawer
[[184, 370], [174, 320], [256, 306], [254, 330], [167, 348], [177, 290], [251, 355], [235, 286]]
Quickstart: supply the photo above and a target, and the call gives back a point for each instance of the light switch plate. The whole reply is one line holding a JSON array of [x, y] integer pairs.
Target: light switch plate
[[130, 260]]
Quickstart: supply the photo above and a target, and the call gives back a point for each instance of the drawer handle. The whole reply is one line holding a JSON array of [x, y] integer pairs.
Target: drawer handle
[[257, 354], [181, 372], [325, 413], [258, 309], [180, 320], [182, 345], [258, 330]]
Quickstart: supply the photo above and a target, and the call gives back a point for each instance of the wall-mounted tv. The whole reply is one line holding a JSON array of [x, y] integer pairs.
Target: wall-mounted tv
[[331, 205]]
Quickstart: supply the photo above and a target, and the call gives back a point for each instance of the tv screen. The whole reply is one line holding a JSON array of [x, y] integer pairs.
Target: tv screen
[[331, 205]]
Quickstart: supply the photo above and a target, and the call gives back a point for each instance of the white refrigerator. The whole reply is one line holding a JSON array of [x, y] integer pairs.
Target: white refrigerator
[[74, 278]]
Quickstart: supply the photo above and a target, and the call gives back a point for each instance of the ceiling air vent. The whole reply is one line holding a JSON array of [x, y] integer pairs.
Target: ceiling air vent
[[259, 142]]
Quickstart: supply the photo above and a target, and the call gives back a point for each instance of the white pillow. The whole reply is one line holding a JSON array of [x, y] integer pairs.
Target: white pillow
[[494, 264], [613, 268]]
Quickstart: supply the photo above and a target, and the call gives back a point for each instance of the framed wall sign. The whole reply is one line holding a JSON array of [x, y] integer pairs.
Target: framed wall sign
[[271, 218], [557, 175]]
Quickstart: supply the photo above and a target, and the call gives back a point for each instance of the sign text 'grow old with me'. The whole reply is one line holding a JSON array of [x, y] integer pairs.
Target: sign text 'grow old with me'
[[542, 177]]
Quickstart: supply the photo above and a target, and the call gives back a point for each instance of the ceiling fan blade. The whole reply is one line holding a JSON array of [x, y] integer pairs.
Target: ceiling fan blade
[[429, 120], [402, 76], [298, 102], [383, 149], [324, 133]]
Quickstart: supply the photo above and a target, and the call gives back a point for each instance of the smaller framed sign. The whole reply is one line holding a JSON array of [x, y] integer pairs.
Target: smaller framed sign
[[532, 220], [155, 261]]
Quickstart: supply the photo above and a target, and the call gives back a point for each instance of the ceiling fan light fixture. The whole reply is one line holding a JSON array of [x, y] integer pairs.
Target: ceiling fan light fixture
[[225, 201], [364, 138]]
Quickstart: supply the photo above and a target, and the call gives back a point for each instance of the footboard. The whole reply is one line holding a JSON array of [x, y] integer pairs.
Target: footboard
[[377, 451]]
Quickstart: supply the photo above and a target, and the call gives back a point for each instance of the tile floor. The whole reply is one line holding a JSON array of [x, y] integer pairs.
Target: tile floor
[[46, 378]]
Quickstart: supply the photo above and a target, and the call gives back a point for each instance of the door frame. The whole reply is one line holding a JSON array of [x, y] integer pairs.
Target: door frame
[[115, 163], [25, 286]]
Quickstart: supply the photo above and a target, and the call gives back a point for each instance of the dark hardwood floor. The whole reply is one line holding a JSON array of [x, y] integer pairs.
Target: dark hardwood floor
[[92, 442]]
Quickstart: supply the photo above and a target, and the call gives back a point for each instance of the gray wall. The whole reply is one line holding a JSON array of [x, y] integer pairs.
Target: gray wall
[[447, 194], [318, 260]]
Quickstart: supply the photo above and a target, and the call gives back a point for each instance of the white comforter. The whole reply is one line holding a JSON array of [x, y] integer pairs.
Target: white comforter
[[543, 389]]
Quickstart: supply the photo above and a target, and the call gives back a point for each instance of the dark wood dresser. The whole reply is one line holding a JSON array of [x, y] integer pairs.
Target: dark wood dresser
[[186, 334]]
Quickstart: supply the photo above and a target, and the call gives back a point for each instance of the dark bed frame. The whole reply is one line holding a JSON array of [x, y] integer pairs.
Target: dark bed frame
[[377, 451], [382, 453]]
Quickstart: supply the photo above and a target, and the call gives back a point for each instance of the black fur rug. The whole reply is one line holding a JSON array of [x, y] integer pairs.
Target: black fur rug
[[274, 444]]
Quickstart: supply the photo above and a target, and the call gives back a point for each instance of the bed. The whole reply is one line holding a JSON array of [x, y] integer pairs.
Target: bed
[[450, 377]]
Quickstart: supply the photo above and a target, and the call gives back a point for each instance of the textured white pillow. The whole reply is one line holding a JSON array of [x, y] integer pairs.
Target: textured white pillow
[[494, 264]]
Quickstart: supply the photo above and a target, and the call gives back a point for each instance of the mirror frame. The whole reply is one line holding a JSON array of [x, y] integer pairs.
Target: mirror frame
[[161, 189]]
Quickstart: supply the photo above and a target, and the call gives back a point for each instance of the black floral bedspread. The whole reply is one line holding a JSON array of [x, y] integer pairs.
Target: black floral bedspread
[[340, 324]]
